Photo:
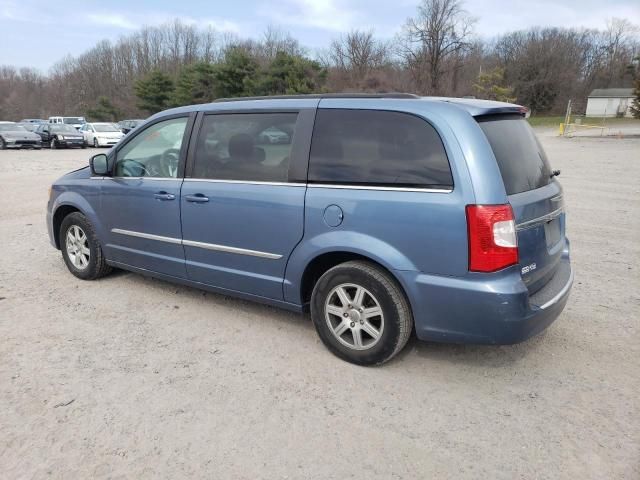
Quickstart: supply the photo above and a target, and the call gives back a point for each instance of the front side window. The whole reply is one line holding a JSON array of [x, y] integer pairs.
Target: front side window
[[248, 147], [154, 152], [379, 148]]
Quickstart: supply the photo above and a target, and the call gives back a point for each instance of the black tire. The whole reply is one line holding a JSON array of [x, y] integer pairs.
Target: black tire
[[84, 145], [96, 266], [95, 143], [383, 289], [52, 144], [3, 145]]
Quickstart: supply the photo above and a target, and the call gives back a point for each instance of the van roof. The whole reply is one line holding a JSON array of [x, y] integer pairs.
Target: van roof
[[473, 106]]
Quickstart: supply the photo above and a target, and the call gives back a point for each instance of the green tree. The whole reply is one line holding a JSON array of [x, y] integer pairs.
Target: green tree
[[236, 76], [635, 105], [491, 86], [104, 111], [289, 74], [196, 84], [154, 92]]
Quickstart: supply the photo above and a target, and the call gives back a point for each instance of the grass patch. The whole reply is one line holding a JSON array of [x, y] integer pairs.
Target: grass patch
[[539, 121], [556, 120]]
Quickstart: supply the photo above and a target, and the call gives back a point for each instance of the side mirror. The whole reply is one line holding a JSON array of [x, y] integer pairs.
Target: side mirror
[[99, 165]]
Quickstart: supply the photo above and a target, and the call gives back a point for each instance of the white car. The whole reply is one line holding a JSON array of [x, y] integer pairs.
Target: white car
[[101, 134]]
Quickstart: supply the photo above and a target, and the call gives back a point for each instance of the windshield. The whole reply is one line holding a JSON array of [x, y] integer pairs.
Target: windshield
[[10, 127], [63, 129], [521, 159], [106, 127], [72, 120], [29, 126]]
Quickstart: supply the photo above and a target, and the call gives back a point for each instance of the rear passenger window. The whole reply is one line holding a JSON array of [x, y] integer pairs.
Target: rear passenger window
[[377, 148], [245, 147]]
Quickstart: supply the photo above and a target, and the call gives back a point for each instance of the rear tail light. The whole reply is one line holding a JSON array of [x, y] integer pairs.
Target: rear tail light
[[492, 237]]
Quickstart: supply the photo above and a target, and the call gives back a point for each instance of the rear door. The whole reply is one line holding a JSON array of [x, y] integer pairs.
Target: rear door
[[243, 202], [535, 196]]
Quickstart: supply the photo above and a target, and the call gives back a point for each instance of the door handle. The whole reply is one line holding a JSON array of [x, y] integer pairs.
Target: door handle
[[197, 198], [164, 196]]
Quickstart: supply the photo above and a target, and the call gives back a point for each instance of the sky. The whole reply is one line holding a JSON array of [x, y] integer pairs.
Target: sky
[[38, 33]]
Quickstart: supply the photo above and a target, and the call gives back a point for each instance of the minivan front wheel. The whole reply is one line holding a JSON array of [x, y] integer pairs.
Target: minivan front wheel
[[81, 249], [360, 313]]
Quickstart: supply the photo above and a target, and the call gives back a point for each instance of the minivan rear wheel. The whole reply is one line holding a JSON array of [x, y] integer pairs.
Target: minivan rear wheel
[[81, 249], [360, 313]]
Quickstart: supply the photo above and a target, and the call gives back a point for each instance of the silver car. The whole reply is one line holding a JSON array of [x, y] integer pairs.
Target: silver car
[[13, 135]]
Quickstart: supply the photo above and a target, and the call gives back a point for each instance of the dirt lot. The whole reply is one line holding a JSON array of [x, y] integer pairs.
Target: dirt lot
[[130, 377]]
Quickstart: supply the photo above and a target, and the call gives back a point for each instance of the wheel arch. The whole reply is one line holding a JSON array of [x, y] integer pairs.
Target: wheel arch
[[67, 203], [58, 216], [321, 263]]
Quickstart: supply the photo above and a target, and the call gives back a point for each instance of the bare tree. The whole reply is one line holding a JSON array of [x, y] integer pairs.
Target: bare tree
[[441, 31]]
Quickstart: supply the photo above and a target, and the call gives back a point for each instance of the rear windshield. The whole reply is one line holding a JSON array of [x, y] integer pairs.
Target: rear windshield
[[521, 159], [72, 120]]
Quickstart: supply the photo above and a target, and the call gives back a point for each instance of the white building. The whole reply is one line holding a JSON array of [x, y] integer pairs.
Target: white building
[[610, 102]]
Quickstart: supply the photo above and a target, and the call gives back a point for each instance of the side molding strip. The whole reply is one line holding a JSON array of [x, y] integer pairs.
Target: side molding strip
[[191, 243]]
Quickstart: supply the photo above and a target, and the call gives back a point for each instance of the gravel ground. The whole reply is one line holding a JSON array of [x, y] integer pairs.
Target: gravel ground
[[131, 377]]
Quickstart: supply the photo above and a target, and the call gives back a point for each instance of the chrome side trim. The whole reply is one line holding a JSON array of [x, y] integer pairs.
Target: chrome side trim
[[191, 243], [224, 248], [136, 178], [246, 182], [148, 236], [373, 187], [146, 178], [560, 294], [537, 221]]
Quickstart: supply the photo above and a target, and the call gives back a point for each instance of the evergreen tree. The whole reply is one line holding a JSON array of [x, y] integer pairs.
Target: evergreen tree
[[154, 92], [290, 74], [104, 111], [236, 76], [196, 84], [491, 86]]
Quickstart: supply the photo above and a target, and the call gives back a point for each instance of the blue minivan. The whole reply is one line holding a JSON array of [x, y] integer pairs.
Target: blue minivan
[[379, 214]]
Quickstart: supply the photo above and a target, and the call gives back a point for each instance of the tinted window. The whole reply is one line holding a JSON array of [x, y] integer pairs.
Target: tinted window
[[521, 159], [250, 147], [63, 129], [377, 148], [154, 152]]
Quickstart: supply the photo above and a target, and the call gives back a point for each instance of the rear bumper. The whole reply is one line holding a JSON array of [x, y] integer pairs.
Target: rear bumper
[[495, 309]]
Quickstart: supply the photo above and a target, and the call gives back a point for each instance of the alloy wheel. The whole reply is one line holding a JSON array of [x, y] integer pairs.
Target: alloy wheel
[[354, 316], [77, 245]]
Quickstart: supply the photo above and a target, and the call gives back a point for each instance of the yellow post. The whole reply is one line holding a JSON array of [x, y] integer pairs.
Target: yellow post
[[561, 130]]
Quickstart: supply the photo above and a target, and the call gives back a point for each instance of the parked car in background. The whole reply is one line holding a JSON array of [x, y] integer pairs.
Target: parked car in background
[[381, 215], [75, 122], [273, 135], [127, 125], [32, 127], [33, 120], [58, 135], [101, 134], [13, 135]]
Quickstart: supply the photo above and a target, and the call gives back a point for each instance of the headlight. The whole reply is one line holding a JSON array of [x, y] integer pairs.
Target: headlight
[[60, 137]]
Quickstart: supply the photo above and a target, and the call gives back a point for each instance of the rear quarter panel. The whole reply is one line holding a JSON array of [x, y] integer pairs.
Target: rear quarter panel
[[402, 230]]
